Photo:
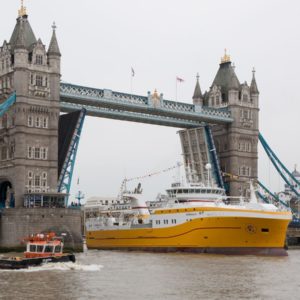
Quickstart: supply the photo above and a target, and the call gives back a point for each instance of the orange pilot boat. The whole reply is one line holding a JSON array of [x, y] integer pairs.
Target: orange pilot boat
[[40, 248]]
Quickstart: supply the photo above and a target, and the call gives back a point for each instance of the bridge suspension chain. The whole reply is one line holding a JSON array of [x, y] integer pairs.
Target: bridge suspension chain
[[280, 167]]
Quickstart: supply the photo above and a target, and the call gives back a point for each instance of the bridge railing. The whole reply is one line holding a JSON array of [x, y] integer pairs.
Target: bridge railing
[[143, 104], [130, 98], [172, 105]]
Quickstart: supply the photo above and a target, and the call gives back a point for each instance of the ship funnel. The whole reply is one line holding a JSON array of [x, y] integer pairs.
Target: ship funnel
[[138, 205]]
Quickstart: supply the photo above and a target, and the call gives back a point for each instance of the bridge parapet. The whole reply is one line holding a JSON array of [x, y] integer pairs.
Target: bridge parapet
[[76, 90], [130, 98], [97, 100], [178, 106]]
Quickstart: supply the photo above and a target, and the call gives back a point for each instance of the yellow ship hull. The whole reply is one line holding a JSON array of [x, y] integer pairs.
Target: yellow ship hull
[[228, 235]]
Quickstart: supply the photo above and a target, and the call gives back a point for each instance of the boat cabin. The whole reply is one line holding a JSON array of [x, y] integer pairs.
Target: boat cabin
[[194, 191], [43, 245]]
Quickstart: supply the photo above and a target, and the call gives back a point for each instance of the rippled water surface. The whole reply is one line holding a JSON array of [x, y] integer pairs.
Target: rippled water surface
[[137, 275]]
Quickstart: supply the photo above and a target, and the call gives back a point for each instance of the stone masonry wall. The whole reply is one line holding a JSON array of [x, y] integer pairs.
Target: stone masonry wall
[[17, 223]]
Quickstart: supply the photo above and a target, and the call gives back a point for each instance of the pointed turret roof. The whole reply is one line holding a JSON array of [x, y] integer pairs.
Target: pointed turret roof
[[20, 40], [22, 34], [53, 47], [197, 92], [253, 86], [295, 173], [226, 77]]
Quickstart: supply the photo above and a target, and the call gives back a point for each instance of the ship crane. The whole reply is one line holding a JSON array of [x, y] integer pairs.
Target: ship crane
[[123, 187]]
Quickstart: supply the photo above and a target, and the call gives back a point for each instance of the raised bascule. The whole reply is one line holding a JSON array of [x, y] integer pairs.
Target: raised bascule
[[38, 144]]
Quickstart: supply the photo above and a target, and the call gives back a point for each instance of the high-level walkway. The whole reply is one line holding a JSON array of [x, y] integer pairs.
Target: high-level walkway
[[115, 105]]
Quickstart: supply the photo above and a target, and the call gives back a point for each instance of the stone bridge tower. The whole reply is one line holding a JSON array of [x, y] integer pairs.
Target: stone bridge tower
[[236, 143], [29, 129]]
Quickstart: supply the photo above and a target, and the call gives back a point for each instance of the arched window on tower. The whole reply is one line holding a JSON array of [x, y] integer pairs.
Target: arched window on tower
[[39, 80], [45, 122], [37, 152], [39, 59], [30, 152], [223, 97], [37, 122], [37, 180], [30, 121]]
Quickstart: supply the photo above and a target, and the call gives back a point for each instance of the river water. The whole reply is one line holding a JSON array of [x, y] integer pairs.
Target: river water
[[138, 275]]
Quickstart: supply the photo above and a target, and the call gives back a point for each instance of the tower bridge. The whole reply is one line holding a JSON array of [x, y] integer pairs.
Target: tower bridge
[[38, 144]]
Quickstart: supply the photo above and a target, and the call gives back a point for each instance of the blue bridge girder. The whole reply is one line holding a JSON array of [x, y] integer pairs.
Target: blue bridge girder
[[127, 107]]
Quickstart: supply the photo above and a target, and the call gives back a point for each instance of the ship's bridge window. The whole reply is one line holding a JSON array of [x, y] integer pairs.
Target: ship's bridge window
[[179, 191], [40, 248], [185, 191], [57, 249], [208, 191], [32, 248], [197, 191], [48, 249]]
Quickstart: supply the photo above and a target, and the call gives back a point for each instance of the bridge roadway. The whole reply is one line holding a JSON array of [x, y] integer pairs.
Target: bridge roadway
[[144, 109]]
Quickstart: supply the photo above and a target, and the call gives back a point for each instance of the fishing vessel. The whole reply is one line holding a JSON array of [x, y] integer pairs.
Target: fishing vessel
[[40, 249], [193, 217]]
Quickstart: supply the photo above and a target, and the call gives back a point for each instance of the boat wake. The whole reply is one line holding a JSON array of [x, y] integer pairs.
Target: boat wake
[[68, 266]]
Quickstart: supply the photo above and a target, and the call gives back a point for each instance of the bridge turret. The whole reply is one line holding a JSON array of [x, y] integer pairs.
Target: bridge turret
[[54, 59], [254, 90], [54, 52], [197, 97], [20, 61]]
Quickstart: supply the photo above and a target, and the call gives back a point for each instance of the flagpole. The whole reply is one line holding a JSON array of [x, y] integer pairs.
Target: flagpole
[[131, 79], [176, 88]]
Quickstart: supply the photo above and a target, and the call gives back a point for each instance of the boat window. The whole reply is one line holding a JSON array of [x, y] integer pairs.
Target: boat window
[[57, 249], [40, 248], [197, 191], [203, 191], [32, 248], [185, 191], [208, 191], [48, 249], [192, 191], [179, 191]]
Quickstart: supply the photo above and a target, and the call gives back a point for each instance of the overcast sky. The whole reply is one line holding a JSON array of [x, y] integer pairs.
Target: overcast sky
[[101, 40]]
